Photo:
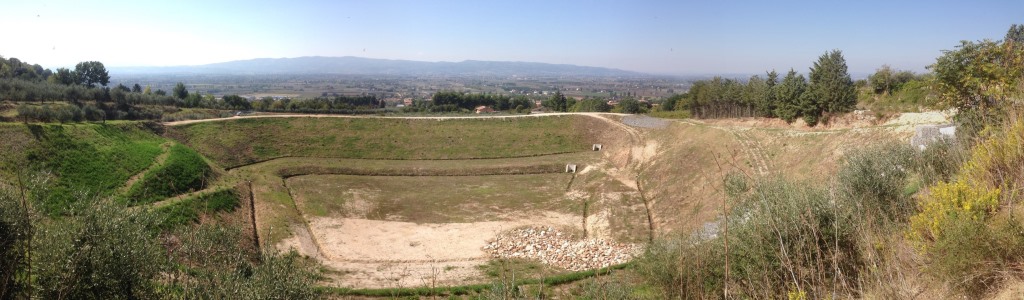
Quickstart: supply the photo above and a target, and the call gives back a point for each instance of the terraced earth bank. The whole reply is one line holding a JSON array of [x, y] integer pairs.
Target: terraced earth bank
[[414, 202], [390, 202]]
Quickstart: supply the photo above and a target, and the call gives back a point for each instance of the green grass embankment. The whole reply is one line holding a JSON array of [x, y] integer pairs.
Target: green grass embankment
[[187, 211], [81, 161], [182, 172], [237, 142]]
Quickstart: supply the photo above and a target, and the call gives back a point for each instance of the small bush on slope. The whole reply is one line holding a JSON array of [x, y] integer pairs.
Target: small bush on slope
[[182, 172], [15, 235], [97, 252], [217, 269]]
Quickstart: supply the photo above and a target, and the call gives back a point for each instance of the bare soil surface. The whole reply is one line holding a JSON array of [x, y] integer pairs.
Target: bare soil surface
[[377, 253]]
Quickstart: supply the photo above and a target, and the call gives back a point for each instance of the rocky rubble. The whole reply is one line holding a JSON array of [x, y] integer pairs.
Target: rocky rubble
[[555, 248]]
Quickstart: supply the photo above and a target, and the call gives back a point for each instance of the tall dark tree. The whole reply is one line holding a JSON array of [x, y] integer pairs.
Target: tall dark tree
[[1015, 34], [631, 106], [767, 105], [237, 102], [180, 91], [136, 88], [788, 94], [755, 93], [831, 86], [91, 73], [557, 102]]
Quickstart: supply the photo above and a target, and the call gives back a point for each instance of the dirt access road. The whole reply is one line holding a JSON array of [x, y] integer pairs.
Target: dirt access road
[[176, 123]]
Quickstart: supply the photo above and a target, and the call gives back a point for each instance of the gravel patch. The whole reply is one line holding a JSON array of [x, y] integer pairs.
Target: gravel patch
[[555, 248], [644, 121]]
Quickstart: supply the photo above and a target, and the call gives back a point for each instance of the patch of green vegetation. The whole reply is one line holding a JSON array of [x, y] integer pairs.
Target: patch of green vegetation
[[524, 268], [673, 114], [183, 171], [473, 288], [187, 211], [90, 160], [238, 142]]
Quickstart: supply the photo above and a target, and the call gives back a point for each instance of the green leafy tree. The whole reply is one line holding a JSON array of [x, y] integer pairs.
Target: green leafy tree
[[179, 91], [136, 88], [91, 73], [887, 81], [979, 79], [670, 103], [592, 105], [831, 86], [64, 76]]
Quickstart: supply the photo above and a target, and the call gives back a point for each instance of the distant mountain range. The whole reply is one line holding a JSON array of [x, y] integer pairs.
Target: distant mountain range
[[350, 65]]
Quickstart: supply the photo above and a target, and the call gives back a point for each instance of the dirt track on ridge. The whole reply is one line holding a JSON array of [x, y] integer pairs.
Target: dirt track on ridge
[[186, 122]]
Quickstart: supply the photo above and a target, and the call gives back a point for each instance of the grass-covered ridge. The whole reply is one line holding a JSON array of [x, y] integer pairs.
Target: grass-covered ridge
[[79, 161], [182, 172], [188, 210], [238, 142]]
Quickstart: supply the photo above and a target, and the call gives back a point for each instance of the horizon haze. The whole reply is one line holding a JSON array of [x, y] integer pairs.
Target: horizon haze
[[662, 38]]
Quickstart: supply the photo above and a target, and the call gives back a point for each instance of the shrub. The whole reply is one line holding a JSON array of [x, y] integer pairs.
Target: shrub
[[961, 227], [15, 235], [874, 180], [219, 268], [782, 237], [98, 251]]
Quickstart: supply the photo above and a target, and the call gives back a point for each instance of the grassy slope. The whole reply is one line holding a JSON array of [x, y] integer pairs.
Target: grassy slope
[[187, 211], [685, 181], [238, 142], [182, 172], [92, 160]]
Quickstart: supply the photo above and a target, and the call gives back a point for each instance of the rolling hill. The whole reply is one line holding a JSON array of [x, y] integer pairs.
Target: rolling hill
[[370, 66]]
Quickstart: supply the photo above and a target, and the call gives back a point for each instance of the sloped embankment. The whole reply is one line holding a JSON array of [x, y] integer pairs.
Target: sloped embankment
[[233, 143], [80, 161]]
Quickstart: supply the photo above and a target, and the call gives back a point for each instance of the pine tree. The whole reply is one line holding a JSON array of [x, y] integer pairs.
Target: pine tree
[[766, 107], [788, 94], [1015, 34], [831, 87]]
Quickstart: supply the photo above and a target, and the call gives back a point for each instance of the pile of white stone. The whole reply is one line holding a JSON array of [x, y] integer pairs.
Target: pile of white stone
[[555, 248]]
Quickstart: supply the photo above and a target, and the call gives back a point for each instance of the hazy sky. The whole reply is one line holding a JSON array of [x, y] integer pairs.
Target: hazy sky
[[667, 37]]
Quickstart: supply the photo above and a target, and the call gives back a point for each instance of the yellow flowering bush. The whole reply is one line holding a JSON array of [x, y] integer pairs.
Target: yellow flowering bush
[[994, 166], [949, 201]]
